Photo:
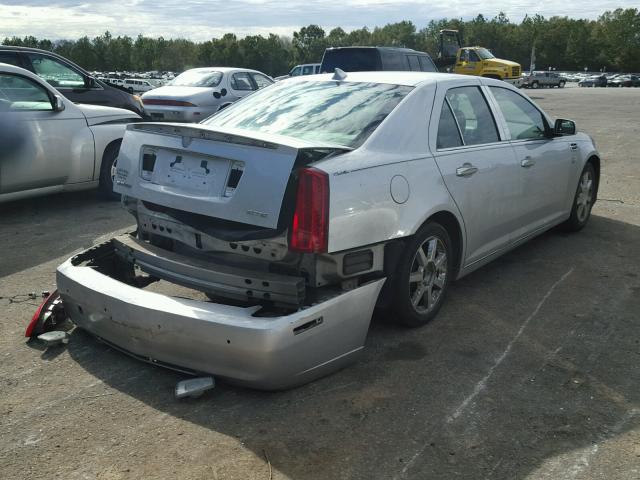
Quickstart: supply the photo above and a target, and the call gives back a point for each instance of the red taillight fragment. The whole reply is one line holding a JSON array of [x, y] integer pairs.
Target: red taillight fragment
[[310, 229], [169, 103], [36, 317]]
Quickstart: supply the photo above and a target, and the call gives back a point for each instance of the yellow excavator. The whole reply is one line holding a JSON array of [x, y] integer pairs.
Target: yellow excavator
[[474, 60]]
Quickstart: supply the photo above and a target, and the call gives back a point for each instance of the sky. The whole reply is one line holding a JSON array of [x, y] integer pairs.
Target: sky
[[201, 20]]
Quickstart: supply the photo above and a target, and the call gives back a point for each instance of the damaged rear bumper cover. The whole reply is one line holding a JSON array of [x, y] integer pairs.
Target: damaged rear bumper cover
[[222, 340]]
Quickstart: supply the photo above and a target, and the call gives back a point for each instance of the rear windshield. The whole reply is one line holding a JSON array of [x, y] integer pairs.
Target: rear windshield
[[341, 113], [351, 60], [197, 78]]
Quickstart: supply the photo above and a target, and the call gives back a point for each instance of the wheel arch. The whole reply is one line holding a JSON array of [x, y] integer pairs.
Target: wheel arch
[[451, 224], [112, 145], [595, 161]]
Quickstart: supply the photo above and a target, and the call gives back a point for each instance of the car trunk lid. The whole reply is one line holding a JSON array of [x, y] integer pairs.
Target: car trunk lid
[[229, 174]]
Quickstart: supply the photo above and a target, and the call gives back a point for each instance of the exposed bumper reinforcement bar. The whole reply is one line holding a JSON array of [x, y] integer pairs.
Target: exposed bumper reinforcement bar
[[221, 340], [211, 277]]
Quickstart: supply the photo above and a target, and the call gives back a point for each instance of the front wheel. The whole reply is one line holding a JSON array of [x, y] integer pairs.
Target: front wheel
[[561, 85], [534, 85], [423, 276], [583, 200]]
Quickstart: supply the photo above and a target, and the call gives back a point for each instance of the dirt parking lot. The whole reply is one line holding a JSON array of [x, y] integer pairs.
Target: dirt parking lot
[[531, 370]]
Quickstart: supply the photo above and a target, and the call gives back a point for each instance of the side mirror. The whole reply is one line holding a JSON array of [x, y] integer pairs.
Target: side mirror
[[564, 127], [58, 103], [91, 82]]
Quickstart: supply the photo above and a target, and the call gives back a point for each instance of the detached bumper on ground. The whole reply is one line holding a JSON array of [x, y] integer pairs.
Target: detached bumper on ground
[[222, 340]]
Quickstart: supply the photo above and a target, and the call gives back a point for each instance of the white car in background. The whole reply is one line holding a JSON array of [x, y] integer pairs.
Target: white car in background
[[298, 70], [300, 208], [49, 144], [137, 85], [200, 92]]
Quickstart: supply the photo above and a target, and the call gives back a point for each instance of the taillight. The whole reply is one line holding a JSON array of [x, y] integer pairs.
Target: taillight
[[169, 103], [309, 232]]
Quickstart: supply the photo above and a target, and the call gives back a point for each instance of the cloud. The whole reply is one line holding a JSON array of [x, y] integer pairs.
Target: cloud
[[200, 19]]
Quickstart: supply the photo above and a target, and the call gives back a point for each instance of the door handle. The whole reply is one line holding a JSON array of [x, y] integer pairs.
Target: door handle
[[466, 170], [527, 162], [573, 146]]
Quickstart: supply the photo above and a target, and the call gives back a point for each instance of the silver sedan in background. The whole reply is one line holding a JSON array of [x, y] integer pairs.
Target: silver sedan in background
[[200, 92], [49, 144]]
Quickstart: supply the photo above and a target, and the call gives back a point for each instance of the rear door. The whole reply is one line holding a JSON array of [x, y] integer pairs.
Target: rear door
[[544, 162], [46, 142], [241, 84], [479, 170]]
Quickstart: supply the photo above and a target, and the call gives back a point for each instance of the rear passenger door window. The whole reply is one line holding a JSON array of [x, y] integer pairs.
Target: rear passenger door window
[[414, 63], [261, 80], [55, 73], [525, 122], [426, 64], [307, 70], [11, 58], [473, 116], [241, 81]]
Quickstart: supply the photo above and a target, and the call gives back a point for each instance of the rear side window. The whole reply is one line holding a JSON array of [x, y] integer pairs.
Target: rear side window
[[307, 70], [261, 80], [523, 119], [426, 64], [473, 115], [241, 81], [448, 133], [394, 61], [11, 58], [55, 72], [414, 63], [351, 60]]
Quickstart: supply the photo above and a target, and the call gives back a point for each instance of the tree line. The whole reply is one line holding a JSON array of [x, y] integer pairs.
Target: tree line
[[611, 42]]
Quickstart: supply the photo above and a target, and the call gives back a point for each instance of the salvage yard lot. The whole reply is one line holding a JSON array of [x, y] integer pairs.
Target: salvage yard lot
[[531, 369]]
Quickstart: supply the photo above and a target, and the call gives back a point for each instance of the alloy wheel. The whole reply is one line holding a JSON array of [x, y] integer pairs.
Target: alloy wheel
[[428, 275]]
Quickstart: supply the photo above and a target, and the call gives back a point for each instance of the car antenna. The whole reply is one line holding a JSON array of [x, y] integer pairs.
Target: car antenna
[[339, 74]]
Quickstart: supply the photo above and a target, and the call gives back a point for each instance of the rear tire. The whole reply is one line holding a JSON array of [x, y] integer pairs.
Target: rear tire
[[583, 200], [534, 85], [561, 85], [423, 276], [107, 172]]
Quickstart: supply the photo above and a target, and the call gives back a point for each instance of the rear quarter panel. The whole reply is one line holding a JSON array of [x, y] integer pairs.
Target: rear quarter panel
[[362, 208]]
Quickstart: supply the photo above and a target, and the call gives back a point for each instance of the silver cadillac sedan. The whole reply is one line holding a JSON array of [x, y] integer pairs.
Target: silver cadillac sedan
[[293, 213]]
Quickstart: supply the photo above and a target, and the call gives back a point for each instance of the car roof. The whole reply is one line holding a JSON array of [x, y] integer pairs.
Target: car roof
[[410, 79], [223, 69], [393, 49]]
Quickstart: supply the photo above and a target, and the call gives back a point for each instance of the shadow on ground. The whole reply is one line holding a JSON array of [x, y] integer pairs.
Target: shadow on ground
[[36, 230], [568, 382]]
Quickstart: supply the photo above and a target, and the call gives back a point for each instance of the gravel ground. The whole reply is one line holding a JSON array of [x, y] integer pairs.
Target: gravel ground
[[529, 372]]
